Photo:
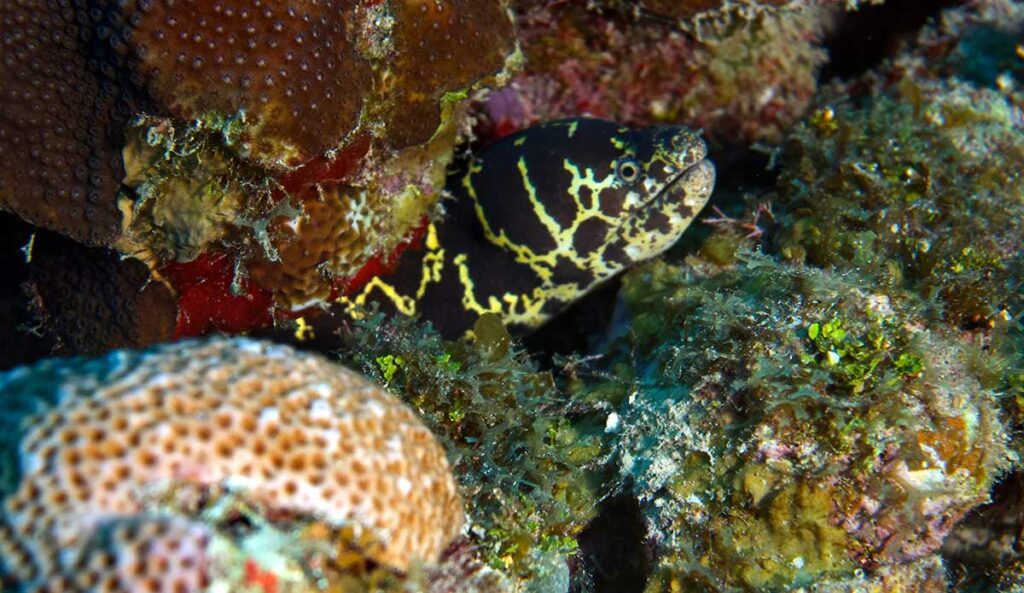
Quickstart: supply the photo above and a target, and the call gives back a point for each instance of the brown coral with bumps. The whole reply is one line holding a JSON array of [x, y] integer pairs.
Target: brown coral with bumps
[[112, 302], [155, 441], [291, 66], [64, 99], [305, 71], [441, 46], [333, 230], [266, 88]]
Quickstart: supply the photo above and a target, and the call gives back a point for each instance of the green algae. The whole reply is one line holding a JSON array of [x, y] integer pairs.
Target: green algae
[[778, 419], [529, 471], [920, 189]]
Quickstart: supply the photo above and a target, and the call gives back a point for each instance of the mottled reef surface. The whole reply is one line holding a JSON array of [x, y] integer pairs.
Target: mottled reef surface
[[818, 388]]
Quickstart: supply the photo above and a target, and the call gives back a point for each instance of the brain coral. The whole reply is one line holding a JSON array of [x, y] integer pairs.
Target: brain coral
[[119, 469]]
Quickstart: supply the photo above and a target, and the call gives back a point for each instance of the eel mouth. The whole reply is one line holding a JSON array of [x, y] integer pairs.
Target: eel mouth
[[690, 188]]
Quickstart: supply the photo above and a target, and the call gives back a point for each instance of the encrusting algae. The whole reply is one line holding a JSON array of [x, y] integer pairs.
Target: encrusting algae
[[780, 425], [748, 78]]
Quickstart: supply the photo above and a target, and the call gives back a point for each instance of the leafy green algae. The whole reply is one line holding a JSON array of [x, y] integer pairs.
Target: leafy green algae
[[920, 189]]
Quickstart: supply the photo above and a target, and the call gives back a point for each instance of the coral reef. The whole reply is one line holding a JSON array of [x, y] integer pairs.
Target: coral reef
[[314, 247], [303, 232], [820, 390], [204, 462], [65, 102], [194, 128], [190, 190], [114, 304], [528, 471], [976, 42], [697, 16], [920, 189], [212, 296], [911, 187], [745, 82], [781, 425], [441, 50], [303, 76]]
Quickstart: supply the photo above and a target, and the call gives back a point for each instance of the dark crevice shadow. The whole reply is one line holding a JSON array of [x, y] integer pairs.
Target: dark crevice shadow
[[614, 554], [865, 37]]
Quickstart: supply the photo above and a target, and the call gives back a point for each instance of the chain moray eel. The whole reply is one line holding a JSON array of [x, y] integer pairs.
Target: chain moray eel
[[543, 216]]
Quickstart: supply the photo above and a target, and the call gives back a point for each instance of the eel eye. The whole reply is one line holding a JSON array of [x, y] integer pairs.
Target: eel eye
[[628, 170]]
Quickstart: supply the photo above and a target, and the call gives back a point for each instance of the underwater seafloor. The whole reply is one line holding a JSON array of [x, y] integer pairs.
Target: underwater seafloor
[[210, 379]]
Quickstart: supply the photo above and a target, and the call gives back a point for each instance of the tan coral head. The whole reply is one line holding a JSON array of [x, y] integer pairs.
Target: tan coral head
[[139, 473]]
